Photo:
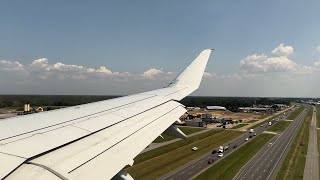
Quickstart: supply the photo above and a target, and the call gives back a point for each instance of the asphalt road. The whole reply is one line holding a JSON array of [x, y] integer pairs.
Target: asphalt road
[[196, 166], [311, 170], [268, 160]]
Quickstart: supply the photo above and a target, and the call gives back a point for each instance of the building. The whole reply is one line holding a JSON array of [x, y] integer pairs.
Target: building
[[193, 108], [195, 123], [221, 108]]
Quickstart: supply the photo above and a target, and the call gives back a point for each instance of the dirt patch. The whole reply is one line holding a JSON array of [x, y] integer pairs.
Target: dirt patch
[[8, 110]]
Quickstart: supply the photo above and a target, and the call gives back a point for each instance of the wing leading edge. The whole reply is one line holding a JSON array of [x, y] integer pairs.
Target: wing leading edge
[[94, 140]]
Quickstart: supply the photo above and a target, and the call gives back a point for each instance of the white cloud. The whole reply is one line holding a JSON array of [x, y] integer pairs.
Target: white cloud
[[233, 76], [318, 49], [41, 63], [208, 75], [282, 50], [263, 64], [104, 70], [10, 66], [317, 63], [152, 73], [43, 70]]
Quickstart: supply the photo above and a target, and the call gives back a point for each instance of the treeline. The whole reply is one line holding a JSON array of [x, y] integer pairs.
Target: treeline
[[231, 103], [48, 100]]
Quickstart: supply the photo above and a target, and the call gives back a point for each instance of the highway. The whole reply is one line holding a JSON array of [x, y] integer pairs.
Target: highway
[[196, 166], [268, 160], [311, 170]]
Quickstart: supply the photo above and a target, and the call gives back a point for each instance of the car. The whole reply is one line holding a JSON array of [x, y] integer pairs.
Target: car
[[214, 151], [261, 125], [220, 155], [254, 134], [210, 161], [235, 146], [194, 148], [246, 139], [250, 136]]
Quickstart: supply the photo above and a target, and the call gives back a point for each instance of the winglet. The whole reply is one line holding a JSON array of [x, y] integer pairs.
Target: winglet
[[192, 75]]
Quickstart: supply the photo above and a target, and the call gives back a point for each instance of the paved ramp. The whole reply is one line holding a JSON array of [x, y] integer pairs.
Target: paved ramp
[[311, 170]]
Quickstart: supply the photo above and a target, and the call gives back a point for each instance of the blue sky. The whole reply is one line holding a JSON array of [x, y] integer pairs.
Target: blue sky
[[132, 37]]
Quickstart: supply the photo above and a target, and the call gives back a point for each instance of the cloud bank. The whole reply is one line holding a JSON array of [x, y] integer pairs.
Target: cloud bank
[[258, 74]]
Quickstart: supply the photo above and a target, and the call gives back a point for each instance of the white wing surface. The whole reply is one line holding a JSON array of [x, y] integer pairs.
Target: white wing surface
[[95, 140]]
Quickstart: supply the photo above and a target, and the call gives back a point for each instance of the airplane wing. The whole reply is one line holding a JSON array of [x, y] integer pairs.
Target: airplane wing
[[95, 140]]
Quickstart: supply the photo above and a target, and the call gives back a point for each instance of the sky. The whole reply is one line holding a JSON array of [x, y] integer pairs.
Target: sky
[[262, 48]]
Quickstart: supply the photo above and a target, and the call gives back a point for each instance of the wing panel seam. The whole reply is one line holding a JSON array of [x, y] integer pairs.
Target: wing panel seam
[[58, 147], [124, 138]]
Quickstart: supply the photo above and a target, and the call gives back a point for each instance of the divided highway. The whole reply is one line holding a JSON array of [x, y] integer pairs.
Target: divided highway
[[198, 165], [266, 163]]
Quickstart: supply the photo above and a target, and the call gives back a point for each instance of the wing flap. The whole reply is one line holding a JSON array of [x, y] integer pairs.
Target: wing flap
[[8, 163]]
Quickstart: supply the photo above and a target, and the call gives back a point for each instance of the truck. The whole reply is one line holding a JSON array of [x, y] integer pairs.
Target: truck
[[220, 149], [251, 131]]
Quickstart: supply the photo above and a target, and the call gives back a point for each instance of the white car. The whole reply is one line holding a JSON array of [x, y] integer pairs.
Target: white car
[[194, 148], [246, 139], [220, 155]]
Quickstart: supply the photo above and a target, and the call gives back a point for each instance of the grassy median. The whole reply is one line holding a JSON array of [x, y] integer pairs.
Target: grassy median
[[318, 117], [185, 130], [228, 167], [294, 114], [171, 160], [318, 136], [294, 162], [279, 126]]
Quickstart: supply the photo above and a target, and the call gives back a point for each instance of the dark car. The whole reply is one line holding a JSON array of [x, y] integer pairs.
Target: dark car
[[210, 161], [235, 146], [214, 151], [250, 136]]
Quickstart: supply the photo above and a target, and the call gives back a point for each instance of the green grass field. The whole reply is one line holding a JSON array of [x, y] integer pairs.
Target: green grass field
[[252, 121], [170, 147], [186, 130], [318, 117], [228, 167], [279, 126], [318, 136], [294, 114], [180, 154], [239, 126], [294, 162]]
